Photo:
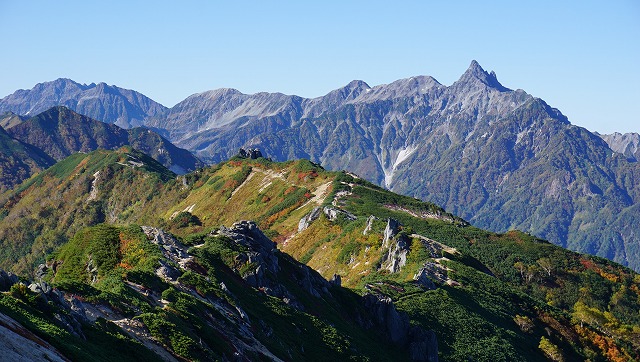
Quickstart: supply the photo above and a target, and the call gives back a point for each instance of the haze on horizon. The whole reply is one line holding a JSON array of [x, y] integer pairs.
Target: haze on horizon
[[580, 58]]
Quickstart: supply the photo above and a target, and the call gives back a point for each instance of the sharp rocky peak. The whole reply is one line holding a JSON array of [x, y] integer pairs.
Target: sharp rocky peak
[[354, 88], [476, 73]]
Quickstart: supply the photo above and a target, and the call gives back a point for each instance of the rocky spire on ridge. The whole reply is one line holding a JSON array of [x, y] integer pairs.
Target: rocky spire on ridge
[[476, 73]]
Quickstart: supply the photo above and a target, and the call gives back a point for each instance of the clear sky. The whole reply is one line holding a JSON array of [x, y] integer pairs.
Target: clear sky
[[582, 57]]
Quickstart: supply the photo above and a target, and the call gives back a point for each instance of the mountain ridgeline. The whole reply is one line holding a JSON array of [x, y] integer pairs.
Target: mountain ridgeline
[[330, 267], [110, 104], [499, 158]]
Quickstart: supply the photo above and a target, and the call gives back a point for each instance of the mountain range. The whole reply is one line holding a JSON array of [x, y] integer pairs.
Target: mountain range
[[110, 104], [258, 260], [499, 158]]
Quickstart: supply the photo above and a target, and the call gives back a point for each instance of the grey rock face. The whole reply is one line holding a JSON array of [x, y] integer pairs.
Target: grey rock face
[[387, 316], [19, 344], [103, 102], [333, 214], [247, 233], [309, 218], [263, 255], [429, 272], [422, 344], [367, 228], [395, 246], [627, 144]]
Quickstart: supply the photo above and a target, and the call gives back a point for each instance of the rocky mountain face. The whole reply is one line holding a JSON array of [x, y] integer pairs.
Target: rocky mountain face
[[19, 160], [500, 158], [60, 132], [110, 104], [332, 267], [627, 144]]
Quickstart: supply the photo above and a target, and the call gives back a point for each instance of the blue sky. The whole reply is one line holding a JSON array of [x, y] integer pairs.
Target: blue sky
[[581, 57]]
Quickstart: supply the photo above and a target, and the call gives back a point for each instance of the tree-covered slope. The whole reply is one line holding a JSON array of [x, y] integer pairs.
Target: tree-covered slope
[[61, 132], [18, 161], [486, 296]]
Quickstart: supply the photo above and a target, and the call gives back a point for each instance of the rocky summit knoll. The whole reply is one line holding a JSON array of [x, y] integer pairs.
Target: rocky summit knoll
[[500, 158], [253, 259]]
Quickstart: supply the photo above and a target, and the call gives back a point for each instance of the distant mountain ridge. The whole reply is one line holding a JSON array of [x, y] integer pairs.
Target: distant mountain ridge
[[110, 104], [497, 157], [19, 160], [627, 144]]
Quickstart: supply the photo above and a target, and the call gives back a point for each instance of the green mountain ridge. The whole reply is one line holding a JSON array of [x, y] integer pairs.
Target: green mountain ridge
[[486, 296], [61, 132], [19, 160]]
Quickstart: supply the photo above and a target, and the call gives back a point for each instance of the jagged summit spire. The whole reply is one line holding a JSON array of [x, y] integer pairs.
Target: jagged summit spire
[[476, 73]]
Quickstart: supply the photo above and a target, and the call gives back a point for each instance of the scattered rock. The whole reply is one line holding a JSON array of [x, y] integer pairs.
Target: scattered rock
[[167, 271]]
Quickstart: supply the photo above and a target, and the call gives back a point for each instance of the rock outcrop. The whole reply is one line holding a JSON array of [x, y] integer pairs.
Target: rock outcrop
[[369, 225], [309, 218], [396, 246], [250, 153], [333, 214], [7, 279], [422, 344], [264, 270]]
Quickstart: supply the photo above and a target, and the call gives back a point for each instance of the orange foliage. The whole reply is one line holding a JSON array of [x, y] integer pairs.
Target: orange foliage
[[125, 265], [588, 264], [608, 347], [230, 184], [610, 277], [308, 174]]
